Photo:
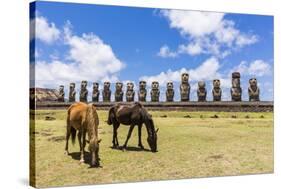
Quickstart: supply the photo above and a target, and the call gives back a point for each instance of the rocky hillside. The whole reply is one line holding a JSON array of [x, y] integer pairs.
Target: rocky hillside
[[43, 94]]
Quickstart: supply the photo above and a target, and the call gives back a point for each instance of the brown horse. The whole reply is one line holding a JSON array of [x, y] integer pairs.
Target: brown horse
[[84, 118], [132, 115]]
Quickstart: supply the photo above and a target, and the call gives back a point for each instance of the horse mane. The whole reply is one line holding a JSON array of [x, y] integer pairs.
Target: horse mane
[[92, 122]]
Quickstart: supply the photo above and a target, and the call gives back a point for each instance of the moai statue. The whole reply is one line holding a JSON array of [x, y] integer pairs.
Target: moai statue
[[106, 93], [253, 90], [130, 93], [216, 90], [184, 87], [170, 92], [201, 91], [142, 91], [72, 92], [96, 92], [84, 92], [61, 94], [236, 91], [119, 92], [155, 93]]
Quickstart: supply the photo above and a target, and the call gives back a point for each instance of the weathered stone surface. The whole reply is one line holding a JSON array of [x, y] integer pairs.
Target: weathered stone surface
[[72, 93], [184, 87], [96, 92], [253, 90], [170, 92], [216, 90], [130, 93], [142, 91], [155, 92], [106, 93], [119, 92], [83, 97], [201, 91], [61, 94], [236, 91]]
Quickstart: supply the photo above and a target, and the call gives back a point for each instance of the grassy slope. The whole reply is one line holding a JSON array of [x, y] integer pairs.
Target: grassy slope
[[188, 147]]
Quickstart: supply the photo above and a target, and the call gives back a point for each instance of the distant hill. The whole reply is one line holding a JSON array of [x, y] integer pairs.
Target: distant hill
[[43, 94]]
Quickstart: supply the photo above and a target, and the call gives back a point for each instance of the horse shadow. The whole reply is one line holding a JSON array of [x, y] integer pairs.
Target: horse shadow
[[87, 157], [130, 148]]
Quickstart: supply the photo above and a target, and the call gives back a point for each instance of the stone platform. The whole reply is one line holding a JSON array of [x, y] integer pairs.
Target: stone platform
[[223, 106]]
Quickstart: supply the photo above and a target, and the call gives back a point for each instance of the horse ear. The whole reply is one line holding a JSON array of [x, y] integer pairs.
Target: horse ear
[[99, 140], [157, 130]]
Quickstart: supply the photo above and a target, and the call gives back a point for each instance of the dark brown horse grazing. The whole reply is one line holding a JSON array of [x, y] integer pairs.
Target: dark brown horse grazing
[[132, 115], [84, 118]]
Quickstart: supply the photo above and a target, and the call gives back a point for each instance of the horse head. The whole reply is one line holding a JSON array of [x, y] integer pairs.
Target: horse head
[[152, 133], [94, 151]]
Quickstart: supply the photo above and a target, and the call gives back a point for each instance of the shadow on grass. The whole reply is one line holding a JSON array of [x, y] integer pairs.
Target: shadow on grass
[[130, 148], [87, 158]]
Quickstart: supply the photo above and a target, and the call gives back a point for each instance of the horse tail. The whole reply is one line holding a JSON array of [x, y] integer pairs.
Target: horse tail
[[73, 134], [110, 113]]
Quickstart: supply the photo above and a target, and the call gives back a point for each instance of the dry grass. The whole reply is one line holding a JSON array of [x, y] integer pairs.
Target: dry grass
[[188, 147]]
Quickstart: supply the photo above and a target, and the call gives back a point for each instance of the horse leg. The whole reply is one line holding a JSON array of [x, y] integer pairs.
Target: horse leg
[[81, 148], [140, 143], [115, 133], [114, 138], [128, 136], [67, 139]]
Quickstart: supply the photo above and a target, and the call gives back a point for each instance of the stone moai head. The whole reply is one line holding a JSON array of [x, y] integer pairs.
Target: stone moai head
[[216, 90], [61, 93], [84, 91], [119, 86], [130, 86], [253, 90], [201, 92], [155, 85], [236, 91], [216, 83], [170, 92], [184, 78], [95, 86], [106, 93], [142, 91], [72, 92], [142, 84], [84, 85], [155, 93], [106, 85], [235, 79]]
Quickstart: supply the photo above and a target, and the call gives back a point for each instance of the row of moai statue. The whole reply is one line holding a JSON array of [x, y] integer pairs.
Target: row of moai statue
[[236, 91]]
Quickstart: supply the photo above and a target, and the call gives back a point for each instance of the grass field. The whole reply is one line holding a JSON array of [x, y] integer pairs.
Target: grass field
[[198, 146]]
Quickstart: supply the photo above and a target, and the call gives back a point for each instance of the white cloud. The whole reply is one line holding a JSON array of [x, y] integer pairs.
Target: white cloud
[[88, 58], [208, 70], [44, 31], [206, 32], [165, 52], [256, 68]]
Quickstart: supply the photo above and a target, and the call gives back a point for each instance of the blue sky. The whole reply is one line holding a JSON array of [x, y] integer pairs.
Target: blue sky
[[99, 43]]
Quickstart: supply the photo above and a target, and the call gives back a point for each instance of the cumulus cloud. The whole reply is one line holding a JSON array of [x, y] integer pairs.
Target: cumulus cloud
[[166, 52], [256, 68], [44, 30], [88, 58], [206, 33]]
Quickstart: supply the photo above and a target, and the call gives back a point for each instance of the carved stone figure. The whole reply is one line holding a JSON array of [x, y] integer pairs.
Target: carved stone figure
[[119, 92], [155, 93], [72, 92], [184, 87], [216, 90], [142, 91], [201, 91], [106, 93], [253, 90], [236, 91], [61, 94], [84, 92], [130, 93], [96, 92], [170, 92]]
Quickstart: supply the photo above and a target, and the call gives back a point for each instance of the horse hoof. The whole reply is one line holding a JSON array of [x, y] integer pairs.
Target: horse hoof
[[141, 147], [81, 161], [66, 153]]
